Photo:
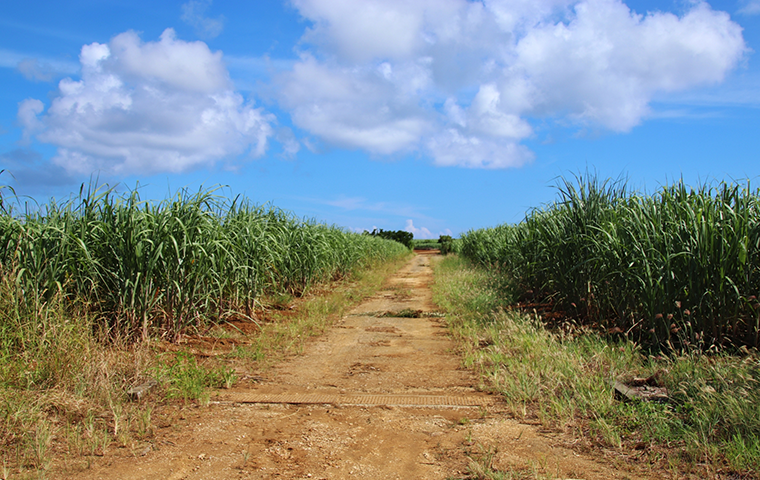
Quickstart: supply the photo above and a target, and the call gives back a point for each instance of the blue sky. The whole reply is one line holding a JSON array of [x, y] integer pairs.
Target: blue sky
[[434, 116]]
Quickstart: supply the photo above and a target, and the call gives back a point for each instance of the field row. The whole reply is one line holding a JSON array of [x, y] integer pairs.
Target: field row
[[160, 268], [680, 267]]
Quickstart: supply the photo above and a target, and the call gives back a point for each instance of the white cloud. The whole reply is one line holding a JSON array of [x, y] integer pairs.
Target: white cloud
[[607, 63], [451, 148], [749, 7], [194, 14], [361, 31], [180, 65], [147, 107], [290, 144], [355, 107], [34, 69], [461, 80], [27, 118], [421, 232]]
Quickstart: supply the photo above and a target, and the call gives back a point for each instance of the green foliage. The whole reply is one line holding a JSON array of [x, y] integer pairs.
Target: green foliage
[[446, 243], [678, 268], [142, 268], [400, 236]]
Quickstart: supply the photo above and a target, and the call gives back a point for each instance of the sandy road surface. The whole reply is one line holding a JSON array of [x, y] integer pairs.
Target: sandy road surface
[[391, 366]]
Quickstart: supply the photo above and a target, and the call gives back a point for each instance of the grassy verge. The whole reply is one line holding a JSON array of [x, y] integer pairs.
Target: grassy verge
[[63, 389], [710, 427]]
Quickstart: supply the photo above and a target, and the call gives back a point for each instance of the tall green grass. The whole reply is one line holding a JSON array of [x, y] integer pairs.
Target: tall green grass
[[679, 267], [145, 268]]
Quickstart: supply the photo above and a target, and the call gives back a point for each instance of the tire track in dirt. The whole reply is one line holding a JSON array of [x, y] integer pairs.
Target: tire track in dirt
[[366, 353]]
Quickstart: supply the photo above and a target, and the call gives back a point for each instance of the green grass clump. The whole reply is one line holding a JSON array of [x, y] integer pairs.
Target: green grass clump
[[679, 268], [185, 379], [563, 378]]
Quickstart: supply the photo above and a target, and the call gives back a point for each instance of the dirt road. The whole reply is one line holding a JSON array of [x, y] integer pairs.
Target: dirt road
[[380, 396]]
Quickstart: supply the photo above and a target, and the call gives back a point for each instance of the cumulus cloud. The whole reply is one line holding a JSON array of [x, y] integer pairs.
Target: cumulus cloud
[[607, 63], [451, 148], [461, 81], [354, 107], [194, 14], [421, 232], [147, 107], [27, 118]]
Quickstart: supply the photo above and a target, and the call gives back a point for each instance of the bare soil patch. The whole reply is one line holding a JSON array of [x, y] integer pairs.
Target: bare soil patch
[[365, 354]]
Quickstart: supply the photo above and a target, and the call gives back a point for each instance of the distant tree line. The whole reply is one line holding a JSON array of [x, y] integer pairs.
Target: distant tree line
[[400, 236]]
